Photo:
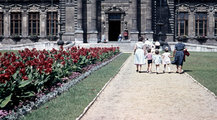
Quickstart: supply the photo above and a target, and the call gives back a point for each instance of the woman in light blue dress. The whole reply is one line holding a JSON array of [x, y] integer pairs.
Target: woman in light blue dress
[[139, 52]]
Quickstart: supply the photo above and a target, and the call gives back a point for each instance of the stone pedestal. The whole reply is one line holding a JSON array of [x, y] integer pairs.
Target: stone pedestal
[[79, 36], [92, 37], [134, 36]]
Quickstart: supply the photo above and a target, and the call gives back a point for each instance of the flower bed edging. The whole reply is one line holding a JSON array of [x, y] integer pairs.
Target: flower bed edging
[[58, 91]]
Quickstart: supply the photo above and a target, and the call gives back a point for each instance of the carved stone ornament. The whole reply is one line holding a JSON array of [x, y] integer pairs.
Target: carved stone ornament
[[202, 8], [183, 8], [114, 9], [34, 8], [15, 8]]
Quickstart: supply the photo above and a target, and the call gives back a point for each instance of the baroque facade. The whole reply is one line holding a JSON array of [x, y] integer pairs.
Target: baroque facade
[[89, 21]]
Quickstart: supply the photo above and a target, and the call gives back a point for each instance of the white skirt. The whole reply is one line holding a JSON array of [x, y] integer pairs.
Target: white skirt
[[139, 57]]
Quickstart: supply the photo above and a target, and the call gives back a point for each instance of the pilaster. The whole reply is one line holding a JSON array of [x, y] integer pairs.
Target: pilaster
[[42, 24], [211, 25], [69, 25], [134, 30], [24, 24], [91, 22], [146, 19], [6, 24], [191, 24], [79, 30]]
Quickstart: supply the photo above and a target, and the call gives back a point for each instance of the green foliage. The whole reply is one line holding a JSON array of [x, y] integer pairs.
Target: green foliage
[[70, 105], [37, 71]]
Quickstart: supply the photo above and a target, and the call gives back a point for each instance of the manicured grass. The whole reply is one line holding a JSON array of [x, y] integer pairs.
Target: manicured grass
[[71, 104], [203, 67]]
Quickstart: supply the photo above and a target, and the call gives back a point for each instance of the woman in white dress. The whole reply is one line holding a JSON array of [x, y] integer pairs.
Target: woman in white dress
[[139, 52]]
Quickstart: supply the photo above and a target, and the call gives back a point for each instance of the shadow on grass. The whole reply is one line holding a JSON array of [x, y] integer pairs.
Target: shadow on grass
[[188, 70]]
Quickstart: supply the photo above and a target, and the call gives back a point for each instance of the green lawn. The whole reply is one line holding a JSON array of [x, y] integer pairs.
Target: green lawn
[[203, 67], [71, 104]]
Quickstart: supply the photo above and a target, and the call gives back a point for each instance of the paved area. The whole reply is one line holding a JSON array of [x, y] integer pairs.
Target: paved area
[[144, 96]]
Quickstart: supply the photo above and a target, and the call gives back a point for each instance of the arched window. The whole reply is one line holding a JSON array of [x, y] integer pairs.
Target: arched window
[[201, 24], [182, 24]]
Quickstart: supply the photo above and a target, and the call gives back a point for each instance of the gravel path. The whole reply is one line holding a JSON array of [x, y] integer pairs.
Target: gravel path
[[144, 96]]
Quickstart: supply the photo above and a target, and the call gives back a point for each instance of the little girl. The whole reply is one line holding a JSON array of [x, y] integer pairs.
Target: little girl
[[166, 59], [149, 58], [157, 60]]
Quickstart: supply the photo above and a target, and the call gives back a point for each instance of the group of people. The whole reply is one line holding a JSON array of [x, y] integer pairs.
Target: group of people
[[151, 54]]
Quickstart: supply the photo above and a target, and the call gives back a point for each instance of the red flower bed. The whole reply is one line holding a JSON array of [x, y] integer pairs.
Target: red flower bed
[[30, 72]]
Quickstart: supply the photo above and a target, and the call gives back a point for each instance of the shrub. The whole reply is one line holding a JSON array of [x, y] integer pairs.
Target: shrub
[[30, 72]]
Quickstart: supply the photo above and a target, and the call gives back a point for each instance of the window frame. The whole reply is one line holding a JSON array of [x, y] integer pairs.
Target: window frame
[[1, 23], [215, 22], [16, 20], [198, 21], [32, 21], [52, 24], [183, 19]]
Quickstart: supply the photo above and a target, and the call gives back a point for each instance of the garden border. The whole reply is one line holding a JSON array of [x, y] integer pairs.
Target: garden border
[[195, 81], [99, 93], [58, 91]]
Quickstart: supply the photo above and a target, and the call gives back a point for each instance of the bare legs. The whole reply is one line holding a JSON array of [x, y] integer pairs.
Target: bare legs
[[168, 67], [149, 68], [157, 68], [179, 69], [138, 68]]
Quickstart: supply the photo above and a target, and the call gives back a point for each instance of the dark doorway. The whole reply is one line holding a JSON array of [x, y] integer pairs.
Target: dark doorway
[[114, 30]]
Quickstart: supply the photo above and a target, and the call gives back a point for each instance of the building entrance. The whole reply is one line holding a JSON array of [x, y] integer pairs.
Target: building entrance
[[114, 30], [114, 26]]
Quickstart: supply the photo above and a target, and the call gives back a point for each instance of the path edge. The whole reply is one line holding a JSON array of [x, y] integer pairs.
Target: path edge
[[195, 81], [100, 92]]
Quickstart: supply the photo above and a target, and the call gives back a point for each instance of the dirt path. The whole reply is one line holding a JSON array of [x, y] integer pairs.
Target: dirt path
[[144, 96]]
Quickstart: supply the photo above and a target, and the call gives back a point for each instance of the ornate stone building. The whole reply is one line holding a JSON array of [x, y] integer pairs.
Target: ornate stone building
[[24, 21]]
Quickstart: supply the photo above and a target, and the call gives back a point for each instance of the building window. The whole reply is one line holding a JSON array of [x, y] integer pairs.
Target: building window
[[52, 26], [201, 24], [16, 24], [1, 24], [182, 24], [34, 23], [215, 29]]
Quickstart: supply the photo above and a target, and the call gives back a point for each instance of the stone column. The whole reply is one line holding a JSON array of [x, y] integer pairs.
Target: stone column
[[42, 24], [191, 24], [91, 22], [146, 19], [69, 25], [211, 24], [79, 31], [24, 24], [6, 24], [134, 30]]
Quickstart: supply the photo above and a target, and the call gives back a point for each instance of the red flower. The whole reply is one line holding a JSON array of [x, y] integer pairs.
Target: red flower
[[23, 71], [48, 70], [25, 78], [63, 62]]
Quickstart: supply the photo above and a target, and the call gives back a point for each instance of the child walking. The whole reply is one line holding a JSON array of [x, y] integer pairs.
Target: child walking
[[157, 60], [166, 59], [149, 60]]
